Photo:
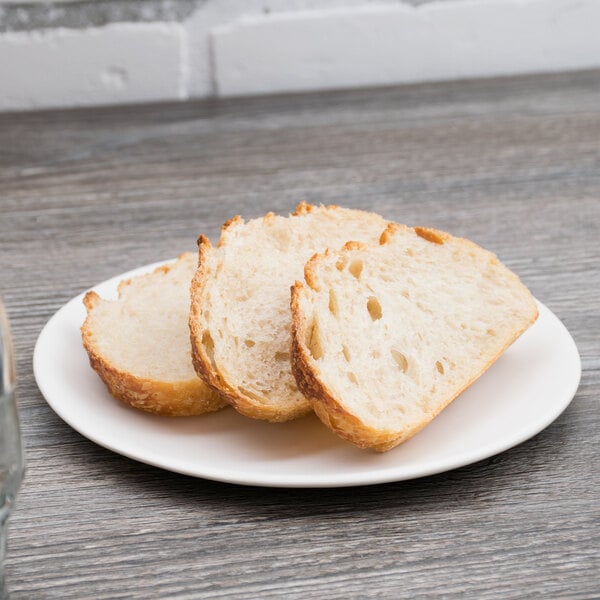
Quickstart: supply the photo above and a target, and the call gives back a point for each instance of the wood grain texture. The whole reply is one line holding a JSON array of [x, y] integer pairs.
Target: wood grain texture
[[513, 164]]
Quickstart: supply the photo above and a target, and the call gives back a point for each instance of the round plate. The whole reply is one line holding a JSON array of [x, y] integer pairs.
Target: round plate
[[521, 394]]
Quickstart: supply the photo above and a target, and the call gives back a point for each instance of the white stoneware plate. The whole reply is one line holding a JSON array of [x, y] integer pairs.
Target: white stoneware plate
[[521, 394]]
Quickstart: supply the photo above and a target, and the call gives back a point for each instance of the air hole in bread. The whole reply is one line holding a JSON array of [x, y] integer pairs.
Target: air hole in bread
[[429, 235], [424, 308], [352, 377], [356, 267], [249, 343], [400, 359], [346, 353], [491, 332], [333, 303], [282, 356], [313, 342], [209, 348], [406, 294], [341, 263], [409, 252], [374, 308], [440, 367]]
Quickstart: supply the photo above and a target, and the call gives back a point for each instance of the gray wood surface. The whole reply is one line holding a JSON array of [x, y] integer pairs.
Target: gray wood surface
[[513, 164]]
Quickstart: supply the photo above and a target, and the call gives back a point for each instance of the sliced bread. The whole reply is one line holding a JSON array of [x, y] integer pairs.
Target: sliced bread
[[386, 336], [240, 316], [139, 344]]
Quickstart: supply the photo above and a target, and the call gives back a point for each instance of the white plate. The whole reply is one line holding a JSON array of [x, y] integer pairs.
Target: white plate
[[521, 394]]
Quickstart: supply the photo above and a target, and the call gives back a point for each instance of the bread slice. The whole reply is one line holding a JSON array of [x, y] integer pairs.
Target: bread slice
[[384, 337], [139, 344], [240, 314]]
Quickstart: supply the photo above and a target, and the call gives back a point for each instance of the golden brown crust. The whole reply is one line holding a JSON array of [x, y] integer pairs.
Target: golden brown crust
[[309, 271], [311, 265], [324, 401], [389, 232], [303, 209], [90, 300], [176, 398], [237, 220], [432, 235]]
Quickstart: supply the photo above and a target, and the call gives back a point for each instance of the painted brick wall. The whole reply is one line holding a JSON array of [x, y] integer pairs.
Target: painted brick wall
[[74, 53]]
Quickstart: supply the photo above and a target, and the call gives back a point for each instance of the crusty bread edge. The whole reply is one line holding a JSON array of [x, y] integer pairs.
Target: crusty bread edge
[[176, 399], [324, 401]]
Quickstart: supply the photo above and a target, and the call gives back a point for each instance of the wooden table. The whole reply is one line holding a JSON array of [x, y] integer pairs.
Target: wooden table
[[513, 164]]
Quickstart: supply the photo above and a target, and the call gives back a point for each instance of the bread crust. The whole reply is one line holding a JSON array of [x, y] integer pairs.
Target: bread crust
[[328, 407], [167, 398]]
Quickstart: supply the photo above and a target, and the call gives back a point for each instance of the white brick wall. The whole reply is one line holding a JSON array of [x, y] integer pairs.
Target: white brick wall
[[232, 47], [119, 63], [386, 45]]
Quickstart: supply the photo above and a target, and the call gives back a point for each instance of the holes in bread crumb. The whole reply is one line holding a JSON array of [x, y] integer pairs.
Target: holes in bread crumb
[[249, 343], [374, 308], [356, 267], [440, 367], [341, 263], [352, 377], [209, 347], [282, 356], [400, 359], [406, 294], [423, 308], [313, 342], [346, 353], [491, 332], [333, 303]]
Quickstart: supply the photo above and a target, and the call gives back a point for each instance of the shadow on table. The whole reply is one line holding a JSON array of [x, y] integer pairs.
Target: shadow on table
[[519, 468]]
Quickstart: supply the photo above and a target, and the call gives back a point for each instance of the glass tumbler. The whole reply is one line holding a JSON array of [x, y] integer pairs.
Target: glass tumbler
[[11, 450]]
